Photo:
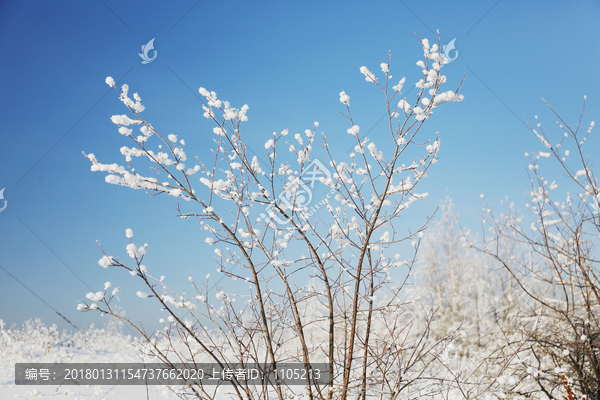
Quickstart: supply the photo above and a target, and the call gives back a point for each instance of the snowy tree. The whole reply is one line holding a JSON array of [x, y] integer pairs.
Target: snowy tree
[[559, 339], [315, 291], [472, 301]]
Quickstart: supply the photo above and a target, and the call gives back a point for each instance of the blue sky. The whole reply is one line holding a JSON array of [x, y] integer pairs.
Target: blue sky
[[288, 61]]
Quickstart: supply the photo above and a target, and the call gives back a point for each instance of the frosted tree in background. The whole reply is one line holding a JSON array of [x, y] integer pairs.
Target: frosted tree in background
[[446, 265], [310, 281], [472, 300], [558, 336]]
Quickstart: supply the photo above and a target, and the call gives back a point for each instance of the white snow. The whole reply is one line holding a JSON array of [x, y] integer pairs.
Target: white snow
[[36, 342]]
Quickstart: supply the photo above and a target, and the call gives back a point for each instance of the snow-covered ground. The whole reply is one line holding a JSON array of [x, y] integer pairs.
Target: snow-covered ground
[[36, 342]]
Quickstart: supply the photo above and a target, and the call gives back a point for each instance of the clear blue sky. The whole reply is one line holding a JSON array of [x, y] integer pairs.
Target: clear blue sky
[[288, 61]]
